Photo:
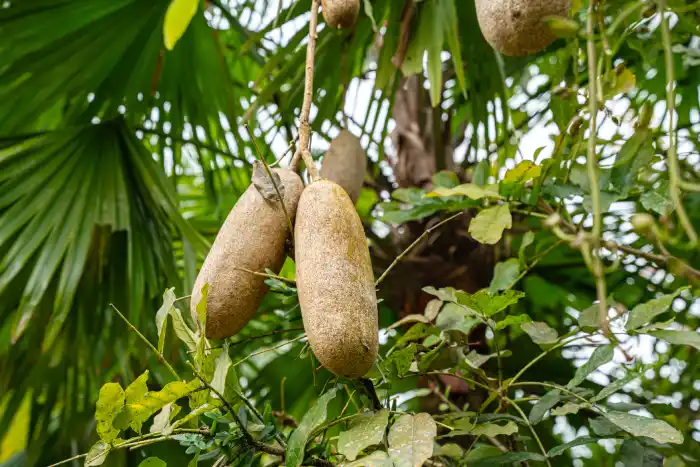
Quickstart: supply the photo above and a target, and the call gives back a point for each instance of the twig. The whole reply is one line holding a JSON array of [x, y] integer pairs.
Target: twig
[[226, 403], [136, 441], [412, 245], [673, 169], [268, 334], [268, 350], [263, 274], [148, 343], [532, 428], [592, 166], [274, 184], [304, 127]]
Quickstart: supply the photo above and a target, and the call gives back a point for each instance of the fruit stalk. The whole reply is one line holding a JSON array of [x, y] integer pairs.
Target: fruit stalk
[[304, 127]]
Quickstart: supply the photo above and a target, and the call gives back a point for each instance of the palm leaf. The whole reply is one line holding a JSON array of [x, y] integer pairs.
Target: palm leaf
[[87, 218]]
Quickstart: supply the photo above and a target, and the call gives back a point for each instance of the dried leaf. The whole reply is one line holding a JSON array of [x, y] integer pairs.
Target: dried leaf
[[264, 184]]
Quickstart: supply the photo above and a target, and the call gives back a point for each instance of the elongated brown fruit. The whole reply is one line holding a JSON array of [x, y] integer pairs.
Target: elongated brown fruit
[[340, 14], [516, 27], [252, 237], [345, 163], [335, 281]]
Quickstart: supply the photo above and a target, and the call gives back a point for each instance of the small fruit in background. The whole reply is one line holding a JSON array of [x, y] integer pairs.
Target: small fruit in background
[[340, 14], [345, 163], [519, 27]]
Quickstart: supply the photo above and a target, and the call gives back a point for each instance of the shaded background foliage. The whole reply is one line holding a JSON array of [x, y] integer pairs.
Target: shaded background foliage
[[119, 160]]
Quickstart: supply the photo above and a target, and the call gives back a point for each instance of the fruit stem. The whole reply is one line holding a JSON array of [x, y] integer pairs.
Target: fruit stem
[[304, 127], [592, 166]]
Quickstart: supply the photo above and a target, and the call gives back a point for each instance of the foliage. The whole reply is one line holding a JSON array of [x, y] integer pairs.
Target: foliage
[[122, 149]]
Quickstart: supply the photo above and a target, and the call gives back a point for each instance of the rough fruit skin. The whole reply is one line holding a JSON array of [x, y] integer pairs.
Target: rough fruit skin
[[335, 281], [340, 14], [515, 27], [252, 237], [345, 163]]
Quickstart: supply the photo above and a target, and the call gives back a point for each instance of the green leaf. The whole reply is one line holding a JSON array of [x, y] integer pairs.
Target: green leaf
[[367, 429], [561, 27], [658, 200], [182, 331], [635, 155], [411, 440], [202, 309], [450, 19], [540, 332], [562, 448], [476, 360], [177, 18], [312, 419], [417, 332], [137, 389], [97, 454], [152, 462], [618, 81], [376, 459], [600, 357], [504, 275], [446, 294], [469, 190], [162, 316], [632, 453], [445, 179], [487, 304], [403, 359], [455, 318], [523, 172], [452, 450], [658, 430], [430, 18], [494, 429], [569, 408], [528, 240], [545, 403], [615, 386], [655, 326], [691, 338], [512, 320], [603, 427], [645, 312], [508, 458], [222, 365], [488, 226], [154, 401], [589, 317], [109, 403]]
